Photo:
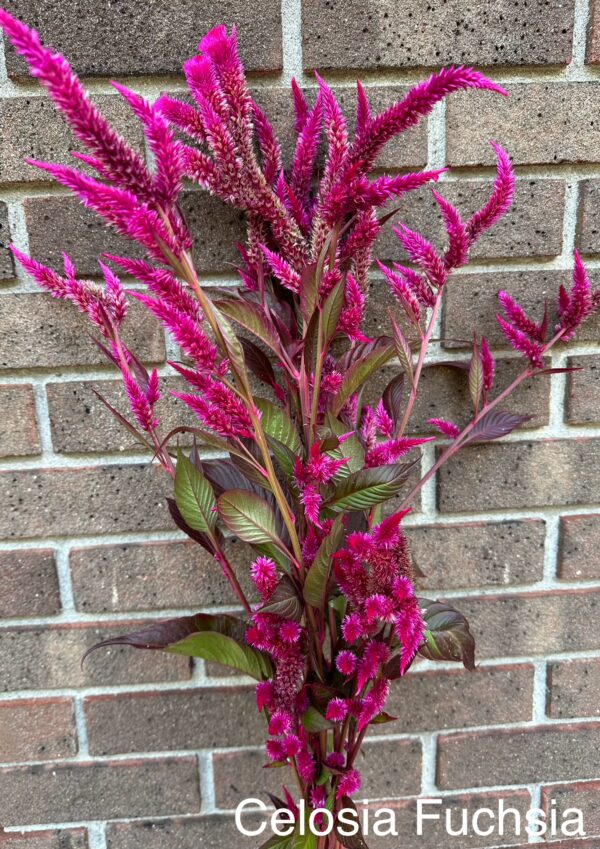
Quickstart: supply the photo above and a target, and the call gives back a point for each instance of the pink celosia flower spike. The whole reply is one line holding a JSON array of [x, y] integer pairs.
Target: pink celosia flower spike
[[581, 302], [119, 161], [447, 428], [418, 103], [500, 200], [167, 151], [488, 364]]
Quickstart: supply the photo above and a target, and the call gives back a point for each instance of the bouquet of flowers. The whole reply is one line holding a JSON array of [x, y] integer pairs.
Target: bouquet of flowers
[[274, 371]]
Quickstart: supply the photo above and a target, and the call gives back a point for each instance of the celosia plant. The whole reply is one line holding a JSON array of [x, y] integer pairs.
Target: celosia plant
[[274, 372]]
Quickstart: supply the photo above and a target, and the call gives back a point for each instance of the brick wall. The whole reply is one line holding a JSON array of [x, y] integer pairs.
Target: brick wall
[[138, 750]]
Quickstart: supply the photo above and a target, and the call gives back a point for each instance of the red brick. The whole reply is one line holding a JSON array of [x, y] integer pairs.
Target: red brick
[[218, 832], [7, 267], [520, 474], [391, 769], [81, 422], [139, 38], [478, 554], [132, 577], [530, 624], [88, 500], [525, 756], [583, 796], [160, 722], [471, 302], [29, 583], [578, 558], [47, 658], [37, 331], [593, 48], [18, 426], [533, 227], [515, 123], [351, 34], [459, 699], [37, 730], [63, 839], [573, 689], [583, 391], [99, 790], [32, 128]]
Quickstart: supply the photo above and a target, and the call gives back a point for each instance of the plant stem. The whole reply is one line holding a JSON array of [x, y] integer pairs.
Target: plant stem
[[420, 363], [460, 439], [232, 578]]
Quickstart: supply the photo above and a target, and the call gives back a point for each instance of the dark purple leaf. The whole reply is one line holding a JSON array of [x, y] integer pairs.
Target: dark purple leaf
[[447, 635], [285, 601], [494, 425], [393, 397], [357, 841], [217, 638]]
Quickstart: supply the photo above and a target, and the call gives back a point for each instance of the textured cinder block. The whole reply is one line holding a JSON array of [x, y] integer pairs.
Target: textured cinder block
[[47, 658], [573, 689], [532, 624], [37, 730], [155, 576], [533, 226], [32, 128], [137, 38], [160, 722], [527, 756], [101, 790], [102, 499], [29, 583], [376, 34], [7, 269], [534, 124], [18, 423], [583, 391], [37, 331], [82, 423], [471, 302], [459, 699], [578, 553], [478, 554], [62, 839], [392, 768], [520, 474]]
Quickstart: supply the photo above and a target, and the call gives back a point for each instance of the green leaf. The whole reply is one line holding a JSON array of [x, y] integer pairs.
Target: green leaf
[[250, 316], [194, 496], [284, 456], [447, 636], [317, 578], [363, 489], [359, 372], [212, 646], [218, 638], [276, 423], [331, 311], [248, 517], [314, 721]]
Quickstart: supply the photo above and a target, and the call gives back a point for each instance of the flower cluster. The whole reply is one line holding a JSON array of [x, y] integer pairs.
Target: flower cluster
[[275, 368]]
